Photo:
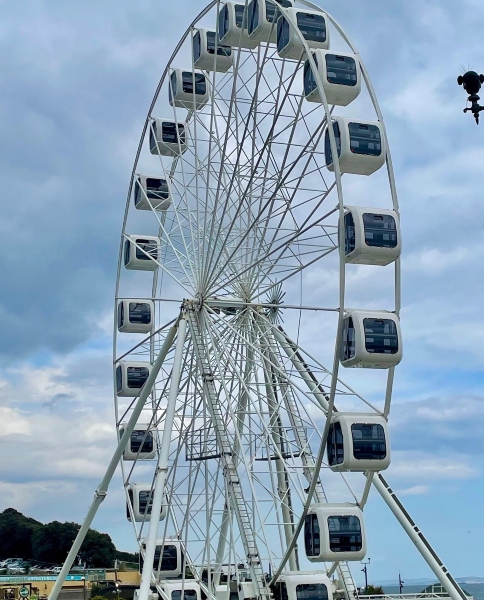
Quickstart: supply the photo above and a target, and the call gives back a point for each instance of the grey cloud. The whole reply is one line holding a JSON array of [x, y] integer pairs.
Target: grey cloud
[[439, 425], [75, 91], [57, 401]]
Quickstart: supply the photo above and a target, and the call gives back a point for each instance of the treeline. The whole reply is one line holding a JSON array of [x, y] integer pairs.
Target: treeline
[[31, 540]]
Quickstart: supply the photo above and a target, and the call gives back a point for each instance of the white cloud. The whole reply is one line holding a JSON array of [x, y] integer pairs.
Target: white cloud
[[76, 93], [415, 490], [414, 466], [25, 496], [13, 423], [435, 262]]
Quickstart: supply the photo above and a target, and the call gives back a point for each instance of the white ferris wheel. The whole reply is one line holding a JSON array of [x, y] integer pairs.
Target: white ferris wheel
[[251, 275]]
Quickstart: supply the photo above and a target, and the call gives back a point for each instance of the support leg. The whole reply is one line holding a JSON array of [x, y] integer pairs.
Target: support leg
[[162, 469], [417, 537], [102, 489]]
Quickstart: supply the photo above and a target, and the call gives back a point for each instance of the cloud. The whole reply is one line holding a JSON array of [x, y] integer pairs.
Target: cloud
[[416, 466], [24, 496], [415, 490], [74, 97], [440, 425]]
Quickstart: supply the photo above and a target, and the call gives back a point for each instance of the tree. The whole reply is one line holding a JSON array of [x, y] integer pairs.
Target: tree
[[97, 550], [374, 590], [24, 537], [16, 533], [52, 542]]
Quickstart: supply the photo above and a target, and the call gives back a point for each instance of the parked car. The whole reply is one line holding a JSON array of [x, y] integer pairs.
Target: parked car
[[16, 568], [9, 561], [39, 568], [77, 569], [56, 570]]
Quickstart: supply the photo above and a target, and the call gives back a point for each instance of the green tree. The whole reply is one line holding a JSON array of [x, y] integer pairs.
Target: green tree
[[52, 542], [16, 533], [97, 550], [374, 590], [24, 537]]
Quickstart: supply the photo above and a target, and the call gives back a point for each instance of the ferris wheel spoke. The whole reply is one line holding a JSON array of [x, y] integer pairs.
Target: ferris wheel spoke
[[282, 248], [288, 201], [261, 419], [171, 177], [211, 332], [290, 382], [267, 203], [253, 115], [224, 150], [274, 266], [268, 364], [181, 258]]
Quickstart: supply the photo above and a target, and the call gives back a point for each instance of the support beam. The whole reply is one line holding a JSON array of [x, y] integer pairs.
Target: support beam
[[241, 413], [302, 368], [102, 489], [417, 537], [162, 468], [277, 434]]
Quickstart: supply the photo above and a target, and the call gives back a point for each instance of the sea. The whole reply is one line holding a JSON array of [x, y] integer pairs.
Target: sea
[[474, 589]]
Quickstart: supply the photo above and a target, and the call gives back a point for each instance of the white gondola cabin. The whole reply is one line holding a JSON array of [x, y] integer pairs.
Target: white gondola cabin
[[187, 89], [181, 590], [131, 377], [167, 137], [209, 54], [293, 24], [262, 19], [302, 586], [140, 502], [151, 193], [334, 532], [141, 444], [141, 252], [358, 442], [135, 316], [372, 236], [360, 145], [370, 339], [340, 75], [169, 558], [232, 26]]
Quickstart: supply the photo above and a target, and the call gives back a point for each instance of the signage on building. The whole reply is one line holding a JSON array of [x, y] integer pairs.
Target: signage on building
[[24, 592], [24, 578]]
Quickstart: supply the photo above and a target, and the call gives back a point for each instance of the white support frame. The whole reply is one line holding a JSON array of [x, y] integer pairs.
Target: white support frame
[[102, 489], [162, 468], [385, 491]]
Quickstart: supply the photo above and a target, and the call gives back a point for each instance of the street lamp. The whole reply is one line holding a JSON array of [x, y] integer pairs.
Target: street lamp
[[365, 571], [472, 81]]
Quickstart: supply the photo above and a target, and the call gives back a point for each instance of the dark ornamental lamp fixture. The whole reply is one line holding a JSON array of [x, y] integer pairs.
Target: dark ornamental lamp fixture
[[472, 84]]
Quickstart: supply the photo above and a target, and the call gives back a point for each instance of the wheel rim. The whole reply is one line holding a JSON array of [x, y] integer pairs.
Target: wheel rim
[[252, 243]]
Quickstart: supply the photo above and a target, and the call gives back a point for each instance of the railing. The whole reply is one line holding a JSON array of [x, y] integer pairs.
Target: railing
[[396, 596]]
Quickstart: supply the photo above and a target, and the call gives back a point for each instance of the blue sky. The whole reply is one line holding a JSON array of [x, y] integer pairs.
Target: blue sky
[[77, 80]]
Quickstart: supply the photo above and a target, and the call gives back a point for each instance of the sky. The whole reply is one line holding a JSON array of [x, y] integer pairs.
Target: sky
[[77, 80]]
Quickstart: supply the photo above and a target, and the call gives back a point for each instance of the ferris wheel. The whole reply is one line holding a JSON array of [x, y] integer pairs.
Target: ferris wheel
[[259, 260]]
